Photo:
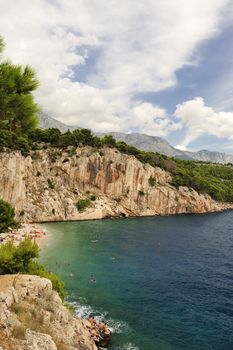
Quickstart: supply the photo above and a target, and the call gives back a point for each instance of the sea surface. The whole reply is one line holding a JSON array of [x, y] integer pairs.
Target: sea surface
[[161, 283]]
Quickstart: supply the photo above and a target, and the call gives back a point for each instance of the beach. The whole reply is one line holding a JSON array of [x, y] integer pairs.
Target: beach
[[16, 235]]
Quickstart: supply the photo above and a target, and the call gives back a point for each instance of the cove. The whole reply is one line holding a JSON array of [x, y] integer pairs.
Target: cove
[[161, 283]]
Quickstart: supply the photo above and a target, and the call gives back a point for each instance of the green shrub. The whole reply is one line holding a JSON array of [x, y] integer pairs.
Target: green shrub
[[152, 181], [53, 156], [82, 204], [141, 193], [7, 215], [93, 197], [20, 259], [17, 259]]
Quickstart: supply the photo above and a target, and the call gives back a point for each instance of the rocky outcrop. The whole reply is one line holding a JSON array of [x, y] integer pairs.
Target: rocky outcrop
[[32, 317], [47, 185]]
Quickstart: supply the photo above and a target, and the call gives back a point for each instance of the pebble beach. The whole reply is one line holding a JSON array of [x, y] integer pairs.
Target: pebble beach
[[25, 230]]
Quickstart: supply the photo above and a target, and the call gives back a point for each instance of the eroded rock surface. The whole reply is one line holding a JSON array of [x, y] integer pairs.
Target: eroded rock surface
[[32, 317], [47, 185]]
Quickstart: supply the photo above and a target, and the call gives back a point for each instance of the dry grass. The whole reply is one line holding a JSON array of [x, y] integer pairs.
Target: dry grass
[[7, 343], [31, 316], [19, 332], [60, 344]]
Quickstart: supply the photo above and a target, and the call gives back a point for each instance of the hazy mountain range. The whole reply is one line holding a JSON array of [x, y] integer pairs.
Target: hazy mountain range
[[145, 142]]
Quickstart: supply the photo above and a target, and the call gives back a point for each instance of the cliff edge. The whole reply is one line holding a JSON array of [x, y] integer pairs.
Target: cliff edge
[[32, 317], [48, 185]]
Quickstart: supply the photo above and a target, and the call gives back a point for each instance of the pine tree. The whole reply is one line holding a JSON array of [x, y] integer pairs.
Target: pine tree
[[18, 111]]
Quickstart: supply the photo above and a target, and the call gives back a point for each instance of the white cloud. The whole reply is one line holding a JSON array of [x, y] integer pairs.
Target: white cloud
[[151, 120], [181, 148], [200, 119], [127, 47]]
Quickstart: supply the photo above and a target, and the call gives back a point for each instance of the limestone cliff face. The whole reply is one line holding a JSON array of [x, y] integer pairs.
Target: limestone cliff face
[[32, 317], [46, 186]]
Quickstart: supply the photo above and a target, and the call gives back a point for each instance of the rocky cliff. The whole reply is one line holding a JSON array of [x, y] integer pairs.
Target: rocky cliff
[[32, 317], [48, 184]]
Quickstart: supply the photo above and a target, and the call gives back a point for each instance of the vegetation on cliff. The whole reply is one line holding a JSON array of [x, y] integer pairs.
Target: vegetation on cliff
[[214, 179], [21, 259], [7, 215]]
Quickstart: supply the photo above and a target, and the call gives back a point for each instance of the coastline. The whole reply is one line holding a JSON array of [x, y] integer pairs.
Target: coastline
[[34, 231]]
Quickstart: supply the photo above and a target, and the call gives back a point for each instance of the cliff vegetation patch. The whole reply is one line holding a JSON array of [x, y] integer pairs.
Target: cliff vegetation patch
[[21, 259]]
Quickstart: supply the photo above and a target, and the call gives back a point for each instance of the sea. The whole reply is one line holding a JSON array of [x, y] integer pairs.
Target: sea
[[160, 283]]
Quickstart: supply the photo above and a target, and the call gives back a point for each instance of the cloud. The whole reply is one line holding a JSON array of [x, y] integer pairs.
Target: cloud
[[152, 120], [200, 119], [181, 148], [94, 57]]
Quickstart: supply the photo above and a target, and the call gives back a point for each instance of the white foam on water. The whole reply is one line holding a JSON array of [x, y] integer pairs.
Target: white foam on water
[[118, 327], [83, 310]]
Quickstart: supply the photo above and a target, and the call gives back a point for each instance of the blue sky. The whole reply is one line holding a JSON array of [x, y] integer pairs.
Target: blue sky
[[159, 67]]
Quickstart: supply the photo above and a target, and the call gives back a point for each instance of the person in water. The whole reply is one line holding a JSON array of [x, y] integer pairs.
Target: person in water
[[93, 280], [92, 320]]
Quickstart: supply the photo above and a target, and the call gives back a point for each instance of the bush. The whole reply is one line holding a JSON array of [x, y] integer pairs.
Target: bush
[[141, 193], [17, 259], [7, 214], [152, 181], [20, 259], [93, 197], [82, 204]]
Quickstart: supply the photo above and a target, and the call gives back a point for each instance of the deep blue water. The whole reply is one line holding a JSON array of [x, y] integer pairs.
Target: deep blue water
[[162, 283]]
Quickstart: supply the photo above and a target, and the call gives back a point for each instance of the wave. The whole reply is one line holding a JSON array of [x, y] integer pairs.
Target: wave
[[83, 310]]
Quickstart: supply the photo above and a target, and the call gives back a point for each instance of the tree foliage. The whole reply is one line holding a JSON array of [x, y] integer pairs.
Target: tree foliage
[[7, 215], [21, 259], [17, 259], [18, 111]]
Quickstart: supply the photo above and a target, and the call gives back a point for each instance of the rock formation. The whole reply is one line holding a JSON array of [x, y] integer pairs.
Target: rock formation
[[32, 317], [47, 185]]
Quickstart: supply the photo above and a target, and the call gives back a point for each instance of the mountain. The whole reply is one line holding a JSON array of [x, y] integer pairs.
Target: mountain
[[46, 122], [210, 156], [157, 144], [145, 143]]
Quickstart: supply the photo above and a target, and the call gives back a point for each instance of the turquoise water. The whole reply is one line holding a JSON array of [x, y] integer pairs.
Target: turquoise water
[[161, 283]]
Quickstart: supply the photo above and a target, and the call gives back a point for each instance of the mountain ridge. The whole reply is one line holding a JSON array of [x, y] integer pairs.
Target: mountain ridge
[[144, 142]]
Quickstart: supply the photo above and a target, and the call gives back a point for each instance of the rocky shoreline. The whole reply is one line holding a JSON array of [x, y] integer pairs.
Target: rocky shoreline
[[33, 317], [22, 295]]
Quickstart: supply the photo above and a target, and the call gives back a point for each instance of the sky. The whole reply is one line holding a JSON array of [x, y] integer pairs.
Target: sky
[[159, 67]]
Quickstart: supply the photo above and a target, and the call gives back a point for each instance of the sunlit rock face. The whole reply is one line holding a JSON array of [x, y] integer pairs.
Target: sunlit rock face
[[32, 317], [48, 184]]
